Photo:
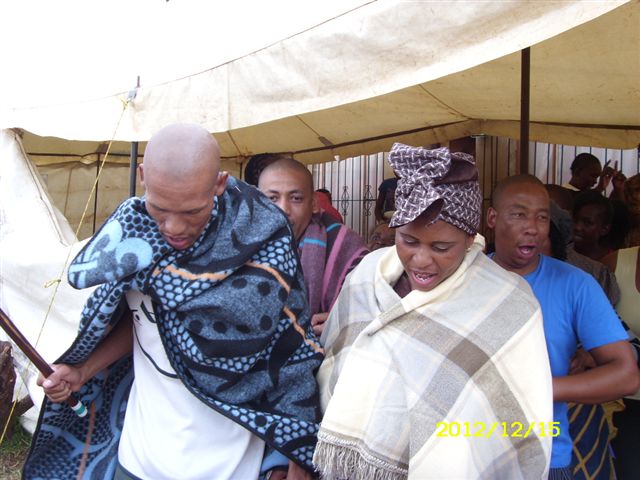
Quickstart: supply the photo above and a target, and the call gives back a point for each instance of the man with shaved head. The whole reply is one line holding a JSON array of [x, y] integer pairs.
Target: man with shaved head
[[574, 309], [193, 354], [328, 249]]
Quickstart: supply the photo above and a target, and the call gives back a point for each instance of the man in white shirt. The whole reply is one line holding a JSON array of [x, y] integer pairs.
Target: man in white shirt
[[216, 324]]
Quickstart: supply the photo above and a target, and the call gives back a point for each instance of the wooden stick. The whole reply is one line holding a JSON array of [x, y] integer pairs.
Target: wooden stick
[[40, 363]]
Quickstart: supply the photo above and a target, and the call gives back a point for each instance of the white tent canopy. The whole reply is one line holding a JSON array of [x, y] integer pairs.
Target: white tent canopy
[[351, 77]]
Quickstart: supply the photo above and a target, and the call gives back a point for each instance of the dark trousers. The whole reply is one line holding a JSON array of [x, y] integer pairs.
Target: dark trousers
[[626, 445]]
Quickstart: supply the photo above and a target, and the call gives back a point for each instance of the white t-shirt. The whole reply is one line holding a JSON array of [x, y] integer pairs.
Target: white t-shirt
[[168, 433], [568, 186]]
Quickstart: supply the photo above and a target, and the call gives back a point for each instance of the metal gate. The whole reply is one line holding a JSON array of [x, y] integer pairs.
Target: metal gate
[[353, 183]]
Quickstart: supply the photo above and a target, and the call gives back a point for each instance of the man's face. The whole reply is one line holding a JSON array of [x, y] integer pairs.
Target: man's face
[[586, 178], [181, 208], [291, 191], [430, 253], [520, 221], [589, 226]]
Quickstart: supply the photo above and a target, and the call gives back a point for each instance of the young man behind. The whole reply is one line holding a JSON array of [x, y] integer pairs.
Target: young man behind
[[328, 249]]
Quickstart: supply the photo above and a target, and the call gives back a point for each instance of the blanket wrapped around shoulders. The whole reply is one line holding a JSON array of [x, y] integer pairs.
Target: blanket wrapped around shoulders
[[233, 319], [430, 385], [328, 251]]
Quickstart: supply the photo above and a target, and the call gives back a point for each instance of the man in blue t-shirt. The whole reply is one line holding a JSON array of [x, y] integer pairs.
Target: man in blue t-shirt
[[574, 308]]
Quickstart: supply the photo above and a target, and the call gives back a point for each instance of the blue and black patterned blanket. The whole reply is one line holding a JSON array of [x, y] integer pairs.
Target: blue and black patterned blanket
[[233, 317]]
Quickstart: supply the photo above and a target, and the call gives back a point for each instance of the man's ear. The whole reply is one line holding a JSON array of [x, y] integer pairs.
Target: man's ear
[[141, 173], [221, 183], [491, 217], [315, 208]]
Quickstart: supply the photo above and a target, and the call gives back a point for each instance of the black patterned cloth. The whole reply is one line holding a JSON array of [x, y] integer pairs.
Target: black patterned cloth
[[232, 315], [430, 177]]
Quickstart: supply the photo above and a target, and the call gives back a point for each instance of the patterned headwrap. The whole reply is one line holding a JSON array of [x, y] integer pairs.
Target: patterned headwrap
[[429, 176]]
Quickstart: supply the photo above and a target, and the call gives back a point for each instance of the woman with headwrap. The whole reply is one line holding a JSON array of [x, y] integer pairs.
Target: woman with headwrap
[[436, 365]]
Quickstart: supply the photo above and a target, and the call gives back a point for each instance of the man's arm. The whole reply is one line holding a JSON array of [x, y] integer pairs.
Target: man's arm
[[69, 378], [614, 376]]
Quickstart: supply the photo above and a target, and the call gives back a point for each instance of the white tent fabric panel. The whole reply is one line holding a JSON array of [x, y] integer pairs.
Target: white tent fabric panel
[[369, 75], [35, 241]]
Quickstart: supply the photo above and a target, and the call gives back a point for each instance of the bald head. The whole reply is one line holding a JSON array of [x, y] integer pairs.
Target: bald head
[[181, 176], [523, 180], [184, 151], [290, 165]]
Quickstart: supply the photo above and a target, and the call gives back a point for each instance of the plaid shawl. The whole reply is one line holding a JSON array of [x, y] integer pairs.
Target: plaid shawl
[[470, 350], [328, 252], [232, 316]]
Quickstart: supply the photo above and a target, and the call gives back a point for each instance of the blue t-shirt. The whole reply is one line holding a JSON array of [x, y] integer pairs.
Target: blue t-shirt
[[575, 310]]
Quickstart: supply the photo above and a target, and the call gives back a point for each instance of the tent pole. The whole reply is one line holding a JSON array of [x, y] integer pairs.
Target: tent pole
[[133, 161], [525, 88], [133, 166]]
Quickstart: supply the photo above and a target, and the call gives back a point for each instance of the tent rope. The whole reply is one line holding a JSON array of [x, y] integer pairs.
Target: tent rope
[[57, 281]]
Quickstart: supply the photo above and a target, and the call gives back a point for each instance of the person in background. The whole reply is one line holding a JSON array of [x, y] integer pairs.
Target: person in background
[[574, 307], [590, 433], [626, 444], [632, 202], [192, 353], [592, 221], [385, 203], [328, 249], [382, 236], [429, 337], [257, 163], [324, 204], [586, 171]]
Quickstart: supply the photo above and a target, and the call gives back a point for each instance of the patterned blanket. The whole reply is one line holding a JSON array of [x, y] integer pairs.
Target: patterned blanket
[[328, 252], [420, 386], [233, 319]]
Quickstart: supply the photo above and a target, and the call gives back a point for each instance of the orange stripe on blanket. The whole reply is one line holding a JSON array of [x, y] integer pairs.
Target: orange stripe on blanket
[[289, 313], [273, 272], [300, 330], [190, 275]]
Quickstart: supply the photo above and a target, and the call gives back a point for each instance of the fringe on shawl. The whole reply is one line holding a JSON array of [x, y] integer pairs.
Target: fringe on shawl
[[339, 459]]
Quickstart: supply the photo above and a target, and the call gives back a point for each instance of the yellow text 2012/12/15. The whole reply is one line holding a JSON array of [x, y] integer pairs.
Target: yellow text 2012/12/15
[[503, 429]]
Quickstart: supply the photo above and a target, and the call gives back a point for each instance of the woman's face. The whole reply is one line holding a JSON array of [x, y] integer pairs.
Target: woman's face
[[589, 226], [430, 253]]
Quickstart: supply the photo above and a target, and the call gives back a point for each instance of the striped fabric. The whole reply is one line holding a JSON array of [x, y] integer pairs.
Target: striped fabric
[[328, 252], [591, 433], [470, 350]]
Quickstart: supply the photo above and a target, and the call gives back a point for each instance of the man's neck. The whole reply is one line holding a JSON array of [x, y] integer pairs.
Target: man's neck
[[522, 271], [572, 182]]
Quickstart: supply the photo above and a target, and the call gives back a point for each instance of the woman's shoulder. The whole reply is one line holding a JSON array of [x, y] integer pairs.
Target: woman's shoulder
[[498, 276]]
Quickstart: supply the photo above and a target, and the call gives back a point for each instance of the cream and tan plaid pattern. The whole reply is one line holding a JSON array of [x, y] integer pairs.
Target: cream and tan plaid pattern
[[471, 350], [430, 175]]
